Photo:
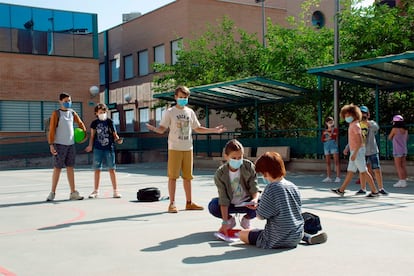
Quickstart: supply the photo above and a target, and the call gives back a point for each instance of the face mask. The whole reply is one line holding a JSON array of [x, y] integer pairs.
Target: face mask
[[67, 104], [235, 164], [266, 181], [349, 119], [182, 101], [102, 116]]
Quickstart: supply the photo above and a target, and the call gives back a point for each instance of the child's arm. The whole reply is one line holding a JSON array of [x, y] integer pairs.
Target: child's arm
[[89, 148], [159, 129], [391, 135], [205, 130], [78, 121]]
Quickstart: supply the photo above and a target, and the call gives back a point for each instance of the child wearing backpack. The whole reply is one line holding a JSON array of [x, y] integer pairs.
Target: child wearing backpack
[[102, 142], [62, 144]]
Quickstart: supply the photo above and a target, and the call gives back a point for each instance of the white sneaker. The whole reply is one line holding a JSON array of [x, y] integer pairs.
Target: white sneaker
[[337, 180], [245, 223], [51, 196], [117, 194], [94, 194], [401, 184], [75, 196], [231, 222], [328, 179]]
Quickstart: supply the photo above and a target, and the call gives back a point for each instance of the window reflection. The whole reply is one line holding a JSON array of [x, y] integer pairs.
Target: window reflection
[[47, 32]]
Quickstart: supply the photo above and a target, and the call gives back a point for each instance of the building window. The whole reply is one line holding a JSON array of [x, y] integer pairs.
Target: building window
[[128, 67], [129, 120], [159, 112], [143, 63], [143, 119], [318, 19], [114, 70], [102, 79], [159, 54], [175, 46], [28, 115], [115, 119]]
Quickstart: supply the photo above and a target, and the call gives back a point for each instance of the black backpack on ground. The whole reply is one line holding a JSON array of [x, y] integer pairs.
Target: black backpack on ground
[[312, 223], [148, 194]]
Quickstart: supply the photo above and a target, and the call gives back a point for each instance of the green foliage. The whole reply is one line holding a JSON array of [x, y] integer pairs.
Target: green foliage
[[225, 53]]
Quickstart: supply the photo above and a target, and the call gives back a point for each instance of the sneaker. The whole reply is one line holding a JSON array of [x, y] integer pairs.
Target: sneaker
[[193, 206], [51, 196], [338, 192], [400, 184], [383, 192], [361, 192], [319, 238], [245, 223], [75, 196], [94, 194], [117, 194], [372, 195], [337, 180], [231, 222], [172, 208], [328, 179]]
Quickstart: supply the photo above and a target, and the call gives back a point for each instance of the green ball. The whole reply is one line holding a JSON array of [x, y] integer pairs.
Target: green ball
[[79, 135]]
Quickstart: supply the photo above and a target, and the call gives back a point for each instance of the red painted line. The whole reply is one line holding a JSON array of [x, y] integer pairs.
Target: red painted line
[[81, 214], [5, 272]]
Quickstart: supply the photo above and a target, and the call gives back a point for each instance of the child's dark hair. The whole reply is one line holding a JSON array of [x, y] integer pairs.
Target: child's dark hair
[[101, 106], [329, 118], [399, 124], [271, 163], [63, 95], [233, 145]]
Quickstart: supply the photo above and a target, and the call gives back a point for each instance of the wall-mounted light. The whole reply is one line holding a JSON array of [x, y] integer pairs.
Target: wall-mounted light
[[94, 90], [127, 98]]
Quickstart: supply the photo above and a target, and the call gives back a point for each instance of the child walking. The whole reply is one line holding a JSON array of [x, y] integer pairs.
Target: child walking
[[352, 115], [236, 183], [399, 137], [330, 147], [102, 142]]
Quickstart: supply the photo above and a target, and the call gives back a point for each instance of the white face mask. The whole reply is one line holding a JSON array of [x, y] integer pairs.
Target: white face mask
[[102, 116]]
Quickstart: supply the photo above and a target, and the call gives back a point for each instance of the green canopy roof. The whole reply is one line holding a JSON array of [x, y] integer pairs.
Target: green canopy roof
[[239, 93], [391, 73]]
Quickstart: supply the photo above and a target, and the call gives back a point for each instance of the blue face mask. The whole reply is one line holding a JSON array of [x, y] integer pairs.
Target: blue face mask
[[67, 104], [182, 101], [349, 119], [235, 164], [266, 181]]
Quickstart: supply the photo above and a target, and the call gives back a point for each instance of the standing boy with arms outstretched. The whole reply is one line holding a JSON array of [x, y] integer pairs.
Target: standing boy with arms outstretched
[[62, 144], [181, 120]]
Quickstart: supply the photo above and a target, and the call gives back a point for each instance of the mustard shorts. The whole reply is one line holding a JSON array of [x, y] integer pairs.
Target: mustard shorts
[[180, 162]]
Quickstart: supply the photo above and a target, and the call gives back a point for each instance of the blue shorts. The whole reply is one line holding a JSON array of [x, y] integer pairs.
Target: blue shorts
[[65, 156], [359, 163], [330, 147], [100, 155], [253, 235], [214, 209], [374, 161]]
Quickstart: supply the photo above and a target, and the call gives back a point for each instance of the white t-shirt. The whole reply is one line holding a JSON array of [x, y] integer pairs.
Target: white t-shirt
[[239, 194], [181, 123]]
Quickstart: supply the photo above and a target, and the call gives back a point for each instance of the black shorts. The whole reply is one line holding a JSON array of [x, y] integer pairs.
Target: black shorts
[[65, 156]]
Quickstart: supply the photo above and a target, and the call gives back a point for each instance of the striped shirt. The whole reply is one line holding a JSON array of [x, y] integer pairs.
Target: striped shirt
[[280, 205]]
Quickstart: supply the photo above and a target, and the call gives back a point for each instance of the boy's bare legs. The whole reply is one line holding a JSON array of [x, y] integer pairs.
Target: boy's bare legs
[[328, 165], [366, 177], [97, 178], [70, 172], [347, 179], [172, 183], [187, 189], [55, 178], [337, 165], [378, 178], [113, 179]]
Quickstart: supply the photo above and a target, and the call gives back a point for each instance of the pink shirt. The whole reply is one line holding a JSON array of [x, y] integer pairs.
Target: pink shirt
[[354, 135]]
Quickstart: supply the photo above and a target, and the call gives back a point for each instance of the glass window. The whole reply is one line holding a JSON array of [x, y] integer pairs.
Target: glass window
[[114, 70], [143, 63], [102, 74], [159, 112], [159, 54], [115, 119], [128, 67], [129, 120], [175, 46], [28, 115], [143, 119]]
